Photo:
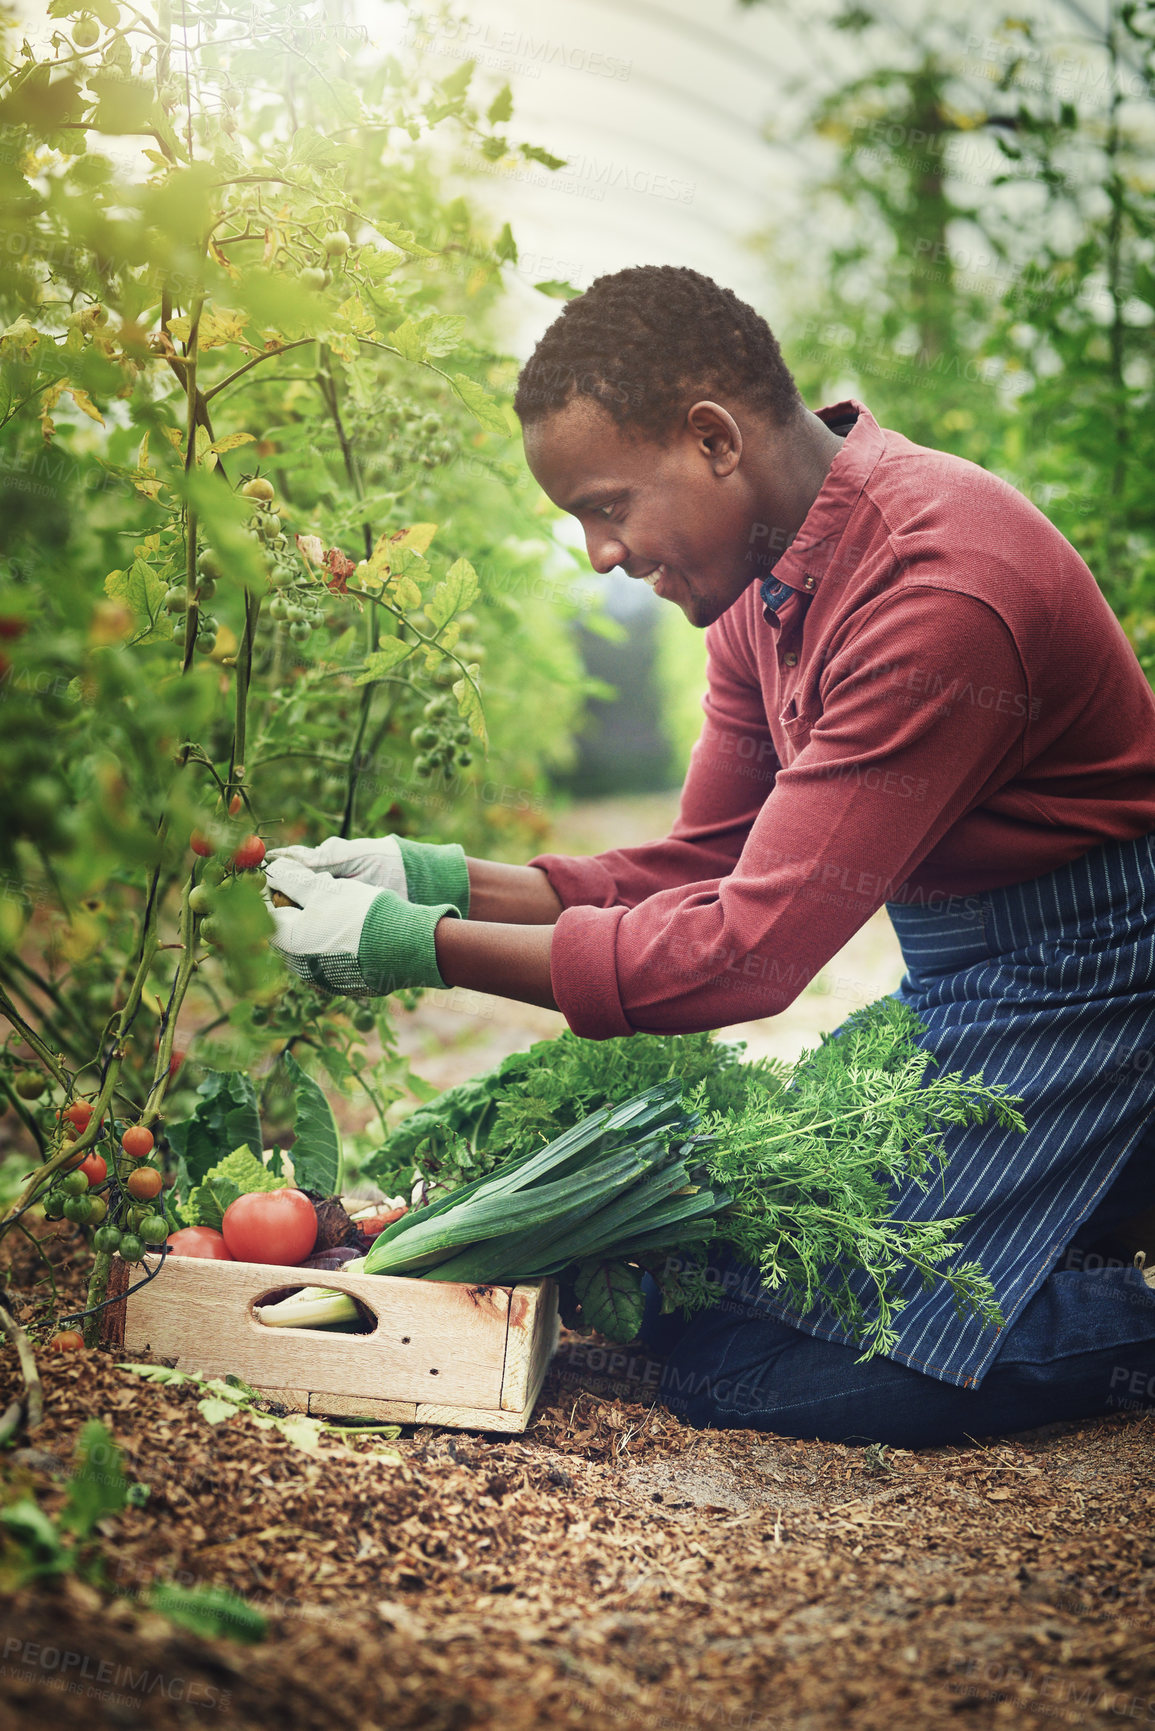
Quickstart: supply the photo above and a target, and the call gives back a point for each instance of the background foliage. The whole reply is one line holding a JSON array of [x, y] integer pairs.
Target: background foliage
[[226, 253]]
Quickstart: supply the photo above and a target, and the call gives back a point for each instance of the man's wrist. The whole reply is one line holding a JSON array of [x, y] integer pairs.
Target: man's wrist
[[516, 895]]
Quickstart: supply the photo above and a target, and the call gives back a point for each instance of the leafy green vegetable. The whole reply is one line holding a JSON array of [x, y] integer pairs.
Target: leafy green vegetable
[[812, 1168], [611, 1297], [226, 1116], [237, 1174], [316, 1151], [795, 1173], [533, 1096]]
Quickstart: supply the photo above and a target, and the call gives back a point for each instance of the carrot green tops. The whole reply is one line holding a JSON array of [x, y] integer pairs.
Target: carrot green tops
[[923, 698]]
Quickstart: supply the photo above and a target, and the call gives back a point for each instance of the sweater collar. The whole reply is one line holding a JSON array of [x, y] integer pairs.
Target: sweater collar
[[801, 567]]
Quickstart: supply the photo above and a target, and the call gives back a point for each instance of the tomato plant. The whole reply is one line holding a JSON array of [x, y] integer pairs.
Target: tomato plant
[[277, 1226], [259, 522]]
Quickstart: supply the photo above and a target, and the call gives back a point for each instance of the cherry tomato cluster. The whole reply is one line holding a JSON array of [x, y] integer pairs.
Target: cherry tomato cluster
[[442, 739], [294, 602], [399, 435], [121, 1210], [178, 599], [334, 247]]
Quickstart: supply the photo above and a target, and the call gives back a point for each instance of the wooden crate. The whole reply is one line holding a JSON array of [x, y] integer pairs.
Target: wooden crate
[[470, 1356]]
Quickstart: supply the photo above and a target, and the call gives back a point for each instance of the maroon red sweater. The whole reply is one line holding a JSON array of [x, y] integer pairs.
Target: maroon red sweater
[[944, 703]]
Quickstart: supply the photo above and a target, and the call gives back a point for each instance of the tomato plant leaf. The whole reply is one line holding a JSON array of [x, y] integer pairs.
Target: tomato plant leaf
[[435, 334], [612, 1299], [469, 703], [557, 290], [505, 246], [501, 108], [535, 153], [478, 401], [459, 589], [316, 1150], [458, 82], [390, 654]]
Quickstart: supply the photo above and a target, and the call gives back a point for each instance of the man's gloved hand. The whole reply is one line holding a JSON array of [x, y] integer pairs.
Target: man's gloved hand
[[417, 871], [350, 937]]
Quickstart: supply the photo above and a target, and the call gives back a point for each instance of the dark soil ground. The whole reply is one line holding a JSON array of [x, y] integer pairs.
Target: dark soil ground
[[610, 1566]]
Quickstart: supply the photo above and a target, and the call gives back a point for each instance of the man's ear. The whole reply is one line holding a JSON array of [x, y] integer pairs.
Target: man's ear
[[717, 435]]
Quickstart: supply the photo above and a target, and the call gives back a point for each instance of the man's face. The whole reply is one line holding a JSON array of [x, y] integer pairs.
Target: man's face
[[680, 514]]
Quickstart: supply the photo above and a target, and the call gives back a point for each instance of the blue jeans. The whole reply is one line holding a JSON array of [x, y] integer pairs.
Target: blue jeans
[[1083, 1346]]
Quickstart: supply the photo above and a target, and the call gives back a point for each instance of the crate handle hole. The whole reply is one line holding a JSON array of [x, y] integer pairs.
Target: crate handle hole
[[405, 1340], [365, 1323]]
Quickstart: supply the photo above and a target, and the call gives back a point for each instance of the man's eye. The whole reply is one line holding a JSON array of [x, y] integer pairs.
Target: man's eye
[[605, 510]]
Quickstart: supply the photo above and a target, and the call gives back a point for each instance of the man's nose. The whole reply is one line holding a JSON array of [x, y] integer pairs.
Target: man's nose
[[605, 551]]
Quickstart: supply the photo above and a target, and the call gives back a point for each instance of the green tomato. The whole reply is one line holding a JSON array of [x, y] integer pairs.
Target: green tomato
[[154, 1229], [176, 601], [178, 631], [86, 32], [30, 1084], [205, 645], [106, 1238], [312, 277], [74, 1184], [97, 1209], [260, 1015], [364, 1021], [423, 737], [131, 1247], [210, 932], [208, 565], [200, 899], [54, 1206], [206, 588], [300, 632], [76, 1209], [278, 608], [282, 576]]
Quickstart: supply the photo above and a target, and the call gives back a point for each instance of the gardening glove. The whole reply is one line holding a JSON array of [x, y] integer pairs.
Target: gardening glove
[[417, 871], [350, 937]]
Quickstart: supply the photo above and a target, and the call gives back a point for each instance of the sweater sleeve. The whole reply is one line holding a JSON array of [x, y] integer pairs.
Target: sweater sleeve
[[732, 770], [889, 765]]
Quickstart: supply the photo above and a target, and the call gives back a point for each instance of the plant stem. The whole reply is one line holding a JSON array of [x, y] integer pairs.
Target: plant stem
[[33, 1410], [32, 1038]]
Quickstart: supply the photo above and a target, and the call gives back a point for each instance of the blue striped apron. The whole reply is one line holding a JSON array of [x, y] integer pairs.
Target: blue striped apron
[[1047, 986]]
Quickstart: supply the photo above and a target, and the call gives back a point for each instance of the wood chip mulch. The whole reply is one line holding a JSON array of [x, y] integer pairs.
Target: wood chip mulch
[[610, 1567]]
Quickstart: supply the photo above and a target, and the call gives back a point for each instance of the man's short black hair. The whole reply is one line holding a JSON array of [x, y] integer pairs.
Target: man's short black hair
[[648, 342]]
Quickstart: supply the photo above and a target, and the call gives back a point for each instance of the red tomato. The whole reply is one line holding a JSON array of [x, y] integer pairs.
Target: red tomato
[[94, 1169], [250, 853], [235, 805], [199, 1241], [372, 1224], [68, 1340], [200, 843], [277, 1226], [78, 1114], [145, 1183], [175, 1063], [137, 1142]]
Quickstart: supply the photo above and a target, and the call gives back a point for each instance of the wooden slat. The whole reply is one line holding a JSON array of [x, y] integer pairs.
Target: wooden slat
[[528, 1307], [362, 1406], [430, 1334]]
